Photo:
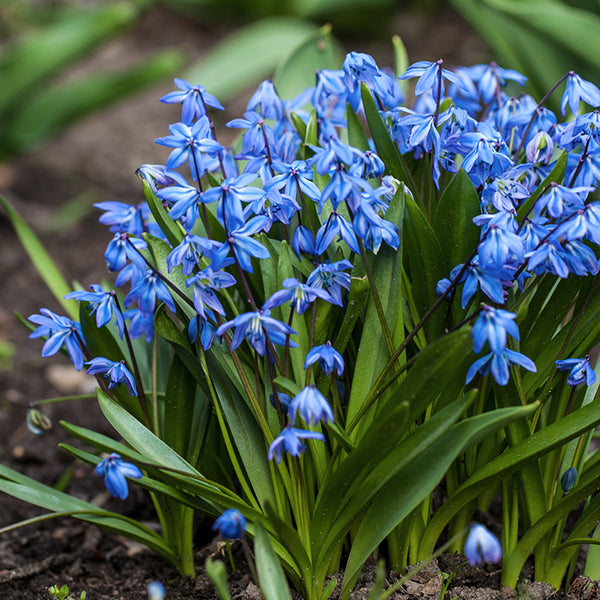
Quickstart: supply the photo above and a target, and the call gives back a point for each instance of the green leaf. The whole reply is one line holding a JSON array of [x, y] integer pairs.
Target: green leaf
[[453, 220], [427, 377], [29, 490], [400, 58], [425, 264], [248, 438], [271, 577], [356, 134], [180, 400], [385, 146], [41, 260], [217, 573], [509, 462], [172, 231], [247, 55], [414, 482], [374, 351], [141, 438], [297, 71]]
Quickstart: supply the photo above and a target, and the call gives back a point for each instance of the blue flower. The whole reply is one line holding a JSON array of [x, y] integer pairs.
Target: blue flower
[[193, 98], [428, 74], [205, 283], [156, 590], [579, 369], [578, 89], [290, 440], [190, 143], [300, 295], [303, 242], [114, 470], [240, 241], [497, 364], [146, 291], [102, 303], [336, 225], [253, 326], [482, 546], [492, 325], [312, 406], [121, 217], [116, 372], [331, 278], [189, 252], [568, 479], [231, 524], [267, 100], [59, 330], [328, 357]]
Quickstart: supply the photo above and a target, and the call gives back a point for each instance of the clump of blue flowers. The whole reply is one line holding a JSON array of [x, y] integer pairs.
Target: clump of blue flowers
[[353, 303]]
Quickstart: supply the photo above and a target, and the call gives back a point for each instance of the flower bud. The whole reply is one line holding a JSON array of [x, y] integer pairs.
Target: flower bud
[[568, 479], [37, 421]]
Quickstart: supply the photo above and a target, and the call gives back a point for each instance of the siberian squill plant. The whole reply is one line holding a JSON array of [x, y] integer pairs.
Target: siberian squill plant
[[353, 326]]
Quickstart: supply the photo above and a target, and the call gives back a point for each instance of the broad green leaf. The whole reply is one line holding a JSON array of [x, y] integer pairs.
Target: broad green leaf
[[509, 462], [401, 60], [385, 146], [180, 400], [217, 573], [356, 134], [369, 467], [357, 299], [453, 220], [375, 350], [297, 71], [414, 482], [426, 378], [29, 490], [271, 577], [425, 261], [172, 231], [248, 438], [247, 55], [141, 438], [41, 260]]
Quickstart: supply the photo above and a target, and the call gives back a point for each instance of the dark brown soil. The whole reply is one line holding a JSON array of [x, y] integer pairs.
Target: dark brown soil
[[92, 162]]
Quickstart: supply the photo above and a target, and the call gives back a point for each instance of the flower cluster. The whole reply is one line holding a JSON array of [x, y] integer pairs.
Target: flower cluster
[[295, 186]]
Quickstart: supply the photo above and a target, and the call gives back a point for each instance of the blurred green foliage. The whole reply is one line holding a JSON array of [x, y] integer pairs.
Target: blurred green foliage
[[543, 39], [39, 44]]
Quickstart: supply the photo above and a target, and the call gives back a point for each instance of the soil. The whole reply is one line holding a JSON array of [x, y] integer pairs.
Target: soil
[[54, 189]]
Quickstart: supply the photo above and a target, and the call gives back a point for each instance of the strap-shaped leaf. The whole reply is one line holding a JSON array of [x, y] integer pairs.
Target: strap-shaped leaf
[[385, 146], [414, 482], [453, 220], [29, 490], [271, 577], [509, 462], [374, 349], [41, 260], [425, 263]]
